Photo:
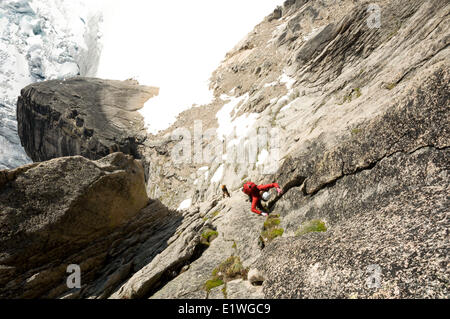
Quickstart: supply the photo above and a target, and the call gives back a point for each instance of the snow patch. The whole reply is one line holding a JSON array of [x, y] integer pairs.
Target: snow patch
[[160, 112], [218, 175], [262, 157], [286, 79], [287, 106], [224, 97], [185, 204], [270, 84], [226, 125]]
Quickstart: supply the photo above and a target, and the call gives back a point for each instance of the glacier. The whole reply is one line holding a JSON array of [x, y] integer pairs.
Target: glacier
[[42, 40]]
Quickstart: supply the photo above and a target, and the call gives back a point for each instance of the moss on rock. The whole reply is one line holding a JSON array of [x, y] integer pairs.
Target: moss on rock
[[208, 236], [314, 225], [213, 283], [271, 229], [228, 270]]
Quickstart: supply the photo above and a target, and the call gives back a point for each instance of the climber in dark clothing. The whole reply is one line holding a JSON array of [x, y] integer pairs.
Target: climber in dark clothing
[[254, 193], [225, 192]]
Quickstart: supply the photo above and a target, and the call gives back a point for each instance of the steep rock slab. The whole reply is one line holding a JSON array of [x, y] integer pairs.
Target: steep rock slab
[[346, 98], [317, 78], [383, 167], [126, 250], [387, 235], [339, 111], [183, 248], [238, 235], [383, 195], [418, 120], [82, 116], [55, 209]]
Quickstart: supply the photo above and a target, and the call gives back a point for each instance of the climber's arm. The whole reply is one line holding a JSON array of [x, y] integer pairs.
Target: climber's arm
[[268, 186]]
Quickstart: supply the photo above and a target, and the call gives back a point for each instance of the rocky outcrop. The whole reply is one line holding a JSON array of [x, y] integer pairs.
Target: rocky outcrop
[[29, 34], [237, 235], [383, 197], [313, 77], [387, 234], [361, 117], [82, 116], [184, 247], [75, 211], [374, 215]]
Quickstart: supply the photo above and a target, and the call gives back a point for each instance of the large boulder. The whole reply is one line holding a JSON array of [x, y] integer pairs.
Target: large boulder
[[52, 210], [82, 116]]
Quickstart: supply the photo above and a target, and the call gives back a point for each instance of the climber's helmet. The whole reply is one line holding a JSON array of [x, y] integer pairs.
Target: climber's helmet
[[248, 188]]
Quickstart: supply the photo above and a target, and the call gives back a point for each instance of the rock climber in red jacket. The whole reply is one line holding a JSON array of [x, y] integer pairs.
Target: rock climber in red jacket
[[254, 193]]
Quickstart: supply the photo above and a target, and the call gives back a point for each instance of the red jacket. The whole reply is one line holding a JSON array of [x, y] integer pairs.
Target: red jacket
[[255, 195]]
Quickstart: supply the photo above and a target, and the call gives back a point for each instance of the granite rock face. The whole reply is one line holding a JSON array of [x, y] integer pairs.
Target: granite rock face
[[387, 234], [75, 211], [238, 235], [82, 116], [361, 115], [383, 196]]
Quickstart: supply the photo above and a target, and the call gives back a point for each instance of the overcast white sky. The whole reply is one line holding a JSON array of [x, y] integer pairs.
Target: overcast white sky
[[174, 45]]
